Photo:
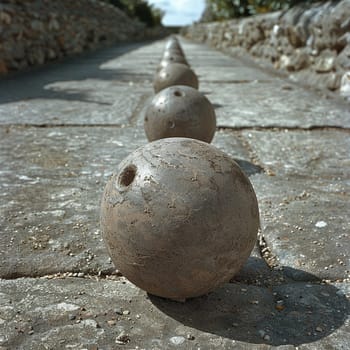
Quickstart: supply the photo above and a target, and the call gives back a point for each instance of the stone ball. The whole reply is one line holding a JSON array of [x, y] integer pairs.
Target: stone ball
[[174, 56], [173, 43], [172, 59], [179, 218], [174, 74], [174, 51], [180, 111]]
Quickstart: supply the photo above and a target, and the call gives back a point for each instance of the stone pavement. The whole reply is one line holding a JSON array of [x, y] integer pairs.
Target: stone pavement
[[64, 128]]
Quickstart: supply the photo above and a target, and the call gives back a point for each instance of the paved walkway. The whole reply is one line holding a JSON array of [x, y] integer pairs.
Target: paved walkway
[[64, 128]]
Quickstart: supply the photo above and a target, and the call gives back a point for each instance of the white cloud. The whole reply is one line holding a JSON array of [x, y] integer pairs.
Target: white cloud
[[180, 12]]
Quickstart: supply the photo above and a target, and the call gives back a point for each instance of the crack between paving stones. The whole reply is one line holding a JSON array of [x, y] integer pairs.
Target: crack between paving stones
[[243, 81], [283, 128], [139, 108], [265, 252], [110, 274], [271, 261], [61, 125], [253, 157]]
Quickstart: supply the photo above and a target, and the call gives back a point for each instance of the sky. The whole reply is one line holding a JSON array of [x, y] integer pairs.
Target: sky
[[179, 12]]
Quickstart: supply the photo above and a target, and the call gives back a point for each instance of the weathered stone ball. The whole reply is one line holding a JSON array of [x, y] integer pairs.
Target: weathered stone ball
[[174, 50], [180, 111], [174, 74], [166, 62], [179, 218], [174, 57], [173, 43]]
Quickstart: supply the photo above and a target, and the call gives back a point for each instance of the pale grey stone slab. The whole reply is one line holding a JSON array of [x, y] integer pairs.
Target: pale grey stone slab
[[51, 186], [317, 153], [273, 104], [87, 102], [305, 224]]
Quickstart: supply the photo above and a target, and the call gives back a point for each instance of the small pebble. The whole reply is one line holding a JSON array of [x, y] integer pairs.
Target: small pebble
[[190, 337], [126, 312], [319, 329], [177, 340], [122, 338], [118, 311], [72, 317], [321, 224]]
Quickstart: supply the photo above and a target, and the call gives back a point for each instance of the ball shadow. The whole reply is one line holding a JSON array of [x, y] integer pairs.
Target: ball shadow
[[262, 306], [248, 167]]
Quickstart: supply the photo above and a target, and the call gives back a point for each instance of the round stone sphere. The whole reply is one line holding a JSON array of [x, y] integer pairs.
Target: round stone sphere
[[174, 74], [173, 43], [175, 51], [179, 218], [174, 57], [180, 111]]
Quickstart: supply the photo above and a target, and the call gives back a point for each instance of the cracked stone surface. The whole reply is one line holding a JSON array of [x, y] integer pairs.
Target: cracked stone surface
[[273, 104], [305, 224], [64, 128], [87, 313]]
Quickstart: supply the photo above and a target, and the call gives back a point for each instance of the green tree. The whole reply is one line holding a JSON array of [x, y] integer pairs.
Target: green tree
[[141, 10]]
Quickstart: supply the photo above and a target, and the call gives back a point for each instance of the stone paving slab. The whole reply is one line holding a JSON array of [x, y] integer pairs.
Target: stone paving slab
[[88, 313], [202, 59], [51, 183], [273, 104], [312, 154], [305, 224], [85, 102], [306, 204]]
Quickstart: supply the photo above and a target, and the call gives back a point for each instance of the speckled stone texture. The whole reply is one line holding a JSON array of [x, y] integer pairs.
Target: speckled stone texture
[[63, 130]]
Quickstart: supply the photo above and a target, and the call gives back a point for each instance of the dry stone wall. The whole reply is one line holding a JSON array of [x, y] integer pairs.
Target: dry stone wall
[[312, 43], [35, 31]]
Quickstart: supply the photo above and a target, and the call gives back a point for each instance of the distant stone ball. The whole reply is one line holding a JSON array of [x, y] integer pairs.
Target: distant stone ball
[[173, 43], [174, 74], [180, 111], [175, 51], [179, 218], [175, 57]]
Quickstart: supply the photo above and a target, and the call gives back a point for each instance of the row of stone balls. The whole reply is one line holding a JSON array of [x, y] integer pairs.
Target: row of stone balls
[[178, 108], [179, 217]]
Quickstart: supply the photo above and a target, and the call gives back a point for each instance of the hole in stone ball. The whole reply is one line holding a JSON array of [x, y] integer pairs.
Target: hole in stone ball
[[127, 176], [146, 119], [178, 93]]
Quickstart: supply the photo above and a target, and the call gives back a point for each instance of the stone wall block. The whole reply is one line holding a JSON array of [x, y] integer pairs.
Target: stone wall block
[[5, 18], [345, 85], [325, 63], [343, 59]]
